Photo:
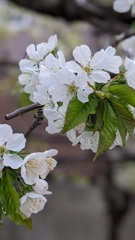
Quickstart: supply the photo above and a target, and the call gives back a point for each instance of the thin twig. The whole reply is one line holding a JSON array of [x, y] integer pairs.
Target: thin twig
[[23, 110]]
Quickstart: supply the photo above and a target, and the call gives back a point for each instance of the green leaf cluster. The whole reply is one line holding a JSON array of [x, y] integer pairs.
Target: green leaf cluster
[[105, 114], [10, 201], [78, 112]]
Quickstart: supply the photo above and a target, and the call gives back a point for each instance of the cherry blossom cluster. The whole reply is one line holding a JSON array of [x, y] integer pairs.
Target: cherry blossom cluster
[[87, 98], [53, 82], [123, 6], [33, 169]]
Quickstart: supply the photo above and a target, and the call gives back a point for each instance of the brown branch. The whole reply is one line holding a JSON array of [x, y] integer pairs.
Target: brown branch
[[38, 117], [23, 110]]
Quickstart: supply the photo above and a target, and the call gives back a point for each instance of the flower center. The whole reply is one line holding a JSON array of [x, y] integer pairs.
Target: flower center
[[34, 166], [49, 161], [2, 151], [72, 88], [87, 69]]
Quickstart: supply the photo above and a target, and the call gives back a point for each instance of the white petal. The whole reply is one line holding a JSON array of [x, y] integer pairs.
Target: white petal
[[24, 78], [16, 142], [5, 133], [100, 76], [35, 202], [55, 127], [24, 209], [130, 73], [31, 52], [51, 152], [34, 166], [113, 64], [46, 77], [121, 6], [28, 66], [82, 96], [110, 51], [41, 186], [28, 177], [51, 114], [23, 199], [72, 66], [65, 77], [81, 80], [12, 160], [98, 61], [82, 54], [89, 141], [42, 50], [71, 135], [61, 59], [52, 63], [52, 42], [129, 63], [58, 92]]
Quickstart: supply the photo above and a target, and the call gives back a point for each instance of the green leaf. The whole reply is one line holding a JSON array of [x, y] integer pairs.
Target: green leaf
[[121, 127], [125, 120], [24, 100], [99, 116], [78, 112], [107, 133], [11, 202], [124, 92]]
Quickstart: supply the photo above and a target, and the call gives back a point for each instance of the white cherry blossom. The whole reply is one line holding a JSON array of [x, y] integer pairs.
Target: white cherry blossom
[[25, 78], [67, 85], [30, 82], [96, 67], [36, 54], [41, 187], [10, 141], [51, 162], [73, 134], [33, 167], [41, 96], [49, 67], [37, 165], [56, 119], [123, 6], [89, 140], [130, 72], [128, 45], [30, 67], [32, 202]]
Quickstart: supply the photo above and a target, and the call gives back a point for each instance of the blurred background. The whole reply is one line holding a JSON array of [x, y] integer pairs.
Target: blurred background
[[90, 200]]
